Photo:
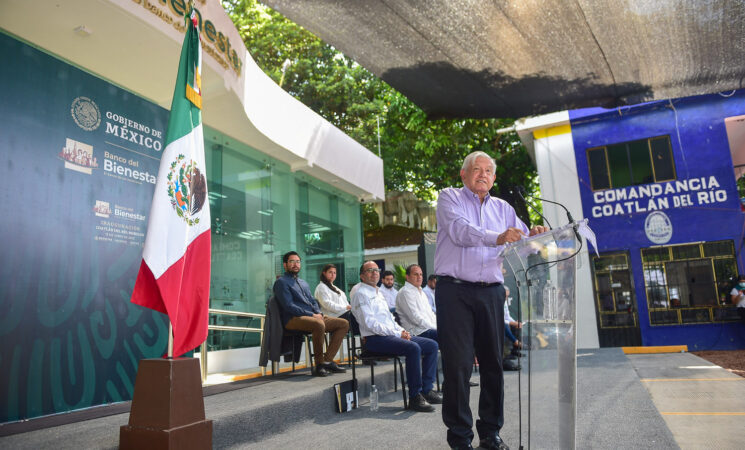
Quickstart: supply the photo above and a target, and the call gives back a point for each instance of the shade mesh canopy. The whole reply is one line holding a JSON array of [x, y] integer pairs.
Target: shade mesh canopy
[[477, 58]]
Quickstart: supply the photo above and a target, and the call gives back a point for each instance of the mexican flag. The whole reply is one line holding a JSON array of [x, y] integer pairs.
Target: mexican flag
[[174, 275]]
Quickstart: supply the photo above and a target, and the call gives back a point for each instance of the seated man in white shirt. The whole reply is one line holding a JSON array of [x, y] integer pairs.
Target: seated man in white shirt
[[512, 328], [354, 290], [413, 308], [382, 334], [387, 289], [429, 291]]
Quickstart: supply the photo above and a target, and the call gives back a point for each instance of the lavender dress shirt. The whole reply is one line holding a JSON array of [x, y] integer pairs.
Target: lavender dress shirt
[[467, 235]]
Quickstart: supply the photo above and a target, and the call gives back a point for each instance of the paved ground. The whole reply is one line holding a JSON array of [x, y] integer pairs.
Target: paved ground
[[641, 401], [702, 404]]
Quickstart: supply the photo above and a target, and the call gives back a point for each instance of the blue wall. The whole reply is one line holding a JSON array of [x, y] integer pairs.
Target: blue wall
[[702, 159]]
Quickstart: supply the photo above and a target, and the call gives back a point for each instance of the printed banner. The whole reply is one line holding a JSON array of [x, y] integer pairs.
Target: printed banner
[[79, 164]]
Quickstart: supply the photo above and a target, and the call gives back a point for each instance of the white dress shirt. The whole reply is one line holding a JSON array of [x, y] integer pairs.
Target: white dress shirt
[[507, 317], [372, 313], [354, 290], [430, 293], [390, 295], [332, 304], [414, 310]]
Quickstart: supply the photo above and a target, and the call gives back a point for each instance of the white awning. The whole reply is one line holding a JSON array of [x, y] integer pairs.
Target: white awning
[[136, 45]]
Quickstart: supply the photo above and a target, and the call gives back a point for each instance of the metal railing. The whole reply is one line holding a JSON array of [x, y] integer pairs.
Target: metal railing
[[260, 330]]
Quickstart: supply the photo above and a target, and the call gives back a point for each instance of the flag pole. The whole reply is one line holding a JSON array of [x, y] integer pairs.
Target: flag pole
[[169, 384], [170, 340]]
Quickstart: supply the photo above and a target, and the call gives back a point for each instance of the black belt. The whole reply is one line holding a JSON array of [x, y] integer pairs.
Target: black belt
[[448, 279]]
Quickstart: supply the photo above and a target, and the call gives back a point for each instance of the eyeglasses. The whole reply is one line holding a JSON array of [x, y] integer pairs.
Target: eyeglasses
[[293, 261], [371, 270]]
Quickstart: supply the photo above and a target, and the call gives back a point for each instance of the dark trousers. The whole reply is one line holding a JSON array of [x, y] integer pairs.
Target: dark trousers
[[430, 334], [470, 320], [508, 334], [421, 358]]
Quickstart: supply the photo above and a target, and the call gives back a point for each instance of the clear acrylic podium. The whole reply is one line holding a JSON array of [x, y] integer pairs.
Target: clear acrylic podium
[[545, 270]]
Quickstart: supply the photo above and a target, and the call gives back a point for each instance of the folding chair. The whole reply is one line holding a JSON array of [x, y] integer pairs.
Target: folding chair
[[368, 356], [308, 339]]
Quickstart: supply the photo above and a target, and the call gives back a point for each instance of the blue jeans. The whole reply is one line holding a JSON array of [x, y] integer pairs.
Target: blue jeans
[[508, 334], [430, 334], [421, 358]]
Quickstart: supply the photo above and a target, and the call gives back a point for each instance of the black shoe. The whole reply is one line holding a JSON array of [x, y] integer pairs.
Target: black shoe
[[493, 442], [321, 372], [473, 383], [418, 403], [433, 397], [333, 367], [463, 447]]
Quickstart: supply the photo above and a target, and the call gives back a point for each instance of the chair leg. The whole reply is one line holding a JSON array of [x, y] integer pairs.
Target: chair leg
[[308, 354], [354, 374], [349, 349], [395, 375], [403, 383], [372, 373]]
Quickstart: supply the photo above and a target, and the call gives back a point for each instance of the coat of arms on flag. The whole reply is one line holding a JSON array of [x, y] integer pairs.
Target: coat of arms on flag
[[187, 189]]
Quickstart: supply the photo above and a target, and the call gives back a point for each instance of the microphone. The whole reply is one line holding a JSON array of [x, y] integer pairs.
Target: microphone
[[520, 191], [569, 214]]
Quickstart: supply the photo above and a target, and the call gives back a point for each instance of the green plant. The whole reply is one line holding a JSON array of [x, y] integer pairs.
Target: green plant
[[399, 274]]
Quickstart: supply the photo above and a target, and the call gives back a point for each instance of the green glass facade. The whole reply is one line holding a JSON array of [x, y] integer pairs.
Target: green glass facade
[[260, 210]]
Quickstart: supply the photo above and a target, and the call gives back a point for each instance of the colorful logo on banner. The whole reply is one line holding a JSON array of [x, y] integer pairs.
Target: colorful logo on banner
[[85, 113], [658, 227], [187, 189], [102, 209], [78, 156]]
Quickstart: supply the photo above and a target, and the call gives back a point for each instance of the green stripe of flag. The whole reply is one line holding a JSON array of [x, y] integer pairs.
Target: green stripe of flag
[[184, 114]]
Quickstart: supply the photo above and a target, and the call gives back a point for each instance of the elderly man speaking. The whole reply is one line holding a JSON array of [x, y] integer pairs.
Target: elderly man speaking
[[473, 227]]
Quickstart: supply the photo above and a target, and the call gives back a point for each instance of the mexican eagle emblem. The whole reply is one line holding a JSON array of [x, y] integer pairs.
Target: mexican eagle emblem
[[187, 189]]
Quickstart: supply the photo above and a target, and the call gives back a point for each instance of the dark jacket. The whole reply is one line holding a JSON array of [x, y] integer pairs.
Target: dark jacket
[[274, 343], [294, 298]]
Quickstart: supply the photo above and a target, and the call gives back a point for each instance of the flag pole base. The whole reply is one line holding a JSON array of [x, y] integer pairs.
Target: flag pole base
[[167, 408]]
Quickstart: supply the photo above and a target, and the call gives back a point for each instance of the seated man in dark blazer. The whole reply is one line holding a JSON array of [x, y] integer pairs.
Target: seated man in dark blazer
[[300, 311]]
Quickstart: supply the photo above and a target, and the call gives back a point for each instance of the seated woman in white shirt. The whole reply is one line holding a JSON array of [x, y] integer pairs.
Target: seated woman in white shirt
[[332, 300]]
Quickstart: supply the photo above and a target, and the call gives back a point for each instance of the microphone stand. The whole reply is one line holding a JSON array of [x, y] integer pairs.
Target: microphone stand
[[569, 215], [520, 190]]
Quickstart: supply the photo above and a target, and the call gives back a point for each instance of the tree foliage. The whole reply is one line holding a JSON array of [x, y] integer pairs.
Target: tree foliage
[[419, 155]]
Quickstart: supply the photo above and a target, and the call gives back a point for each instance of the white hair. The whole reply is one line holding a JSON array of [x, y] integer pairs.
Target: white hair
[[471, 158]]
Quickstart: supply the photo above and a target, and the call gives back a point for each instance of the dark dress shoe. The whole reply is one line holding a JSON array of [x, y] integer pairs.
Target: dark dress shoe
[[463, 447], [333, 367], [473, 383], [418, 403], [493, 442], [433, 397], [321, 372]]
